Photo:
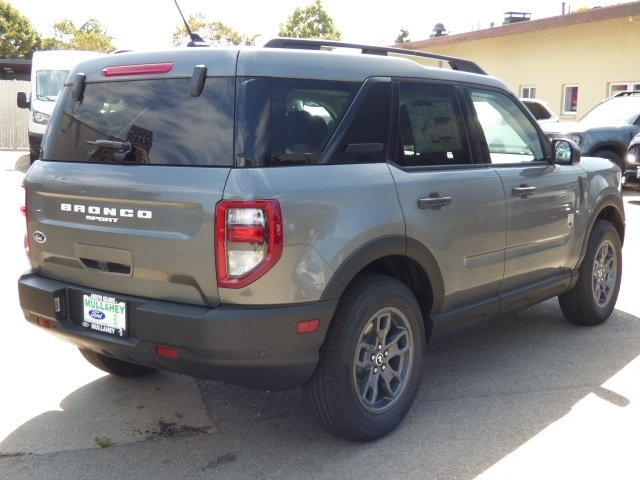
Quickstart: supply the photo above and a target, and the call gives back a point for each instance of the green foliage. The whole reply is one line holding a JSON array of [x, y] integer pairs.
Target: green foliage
[[90, 36], [402, 36], [213, 32], [18, 39], [310, 22], [103, 442]]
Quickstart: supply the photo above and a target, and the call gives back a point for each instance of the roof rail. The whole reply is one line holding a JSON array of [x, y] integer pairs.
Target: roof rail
[[627, 93], [313, 44]]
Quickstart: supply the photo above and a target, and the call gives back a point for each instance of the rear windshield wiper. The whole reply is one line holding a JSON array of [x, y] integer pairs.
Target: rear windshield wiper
[[121, 148]]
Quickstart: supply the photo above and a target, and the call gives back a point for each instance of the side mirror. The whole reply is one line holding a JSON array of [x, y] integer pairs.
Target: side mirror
[[23, 102], [565, 152]]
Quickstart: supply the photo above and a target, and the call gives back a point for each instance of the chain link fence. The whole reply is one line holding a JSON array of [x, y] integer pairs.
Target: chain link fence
[[13, 120]]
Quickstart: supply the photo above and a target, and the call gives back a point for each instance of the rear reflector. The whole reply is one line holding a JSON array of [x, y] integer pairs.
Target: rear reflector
[[168, 352], [308, 326], [140, 69], [44, 322]]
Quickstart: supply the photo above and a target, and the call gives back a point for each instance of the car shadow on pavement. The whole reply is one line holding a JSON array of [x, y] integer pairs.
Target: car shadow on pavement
[[485, 394]]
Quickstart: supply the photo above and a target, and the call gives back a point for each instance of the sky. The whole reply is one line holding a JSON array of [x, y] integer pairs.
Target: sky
[[149, 24]]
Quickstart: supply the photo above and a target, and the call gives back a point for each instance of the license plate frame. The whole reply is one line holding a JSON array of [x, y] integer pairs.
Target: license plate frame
[[104, 314]]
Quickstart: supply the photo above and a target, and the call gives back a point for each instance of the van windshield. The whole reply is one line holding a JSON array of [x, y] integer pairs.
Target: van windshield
[[154, 122], [49, 83]]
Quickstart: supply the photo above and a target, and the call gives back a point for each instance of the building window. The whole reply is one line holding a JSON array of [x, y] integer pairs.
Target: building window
[[528, 92], [615, 88], [570, 100]]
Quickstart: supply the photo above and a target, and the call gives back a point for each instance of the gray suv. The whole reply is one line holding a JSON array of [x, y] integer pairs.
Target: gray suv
[[290, 215], [605, 130]]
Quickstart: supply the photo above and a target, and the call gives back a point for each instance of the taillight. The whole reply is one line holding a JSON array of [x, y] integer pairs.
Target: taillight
[[249, 240]]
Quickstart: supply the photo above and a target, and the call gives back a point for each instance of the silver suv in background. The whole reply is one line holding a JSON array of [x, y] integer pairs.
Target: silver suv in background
[[291, 215]]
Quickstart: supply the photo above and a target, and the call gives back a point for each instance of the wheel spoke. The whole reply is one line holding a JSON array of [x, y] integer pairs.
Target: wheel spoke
[[364, 353], [392, 381], [383, 325], [369, 392]]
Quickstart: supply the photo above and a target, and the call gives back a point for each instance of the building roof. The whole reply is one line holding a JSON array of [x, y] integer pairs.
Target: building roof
[[597, 14], [10, 67]]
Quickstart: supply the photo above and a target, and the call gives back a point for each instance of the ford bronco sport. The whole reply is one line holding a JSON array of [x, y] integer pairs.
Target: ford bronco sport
[[290, 215]]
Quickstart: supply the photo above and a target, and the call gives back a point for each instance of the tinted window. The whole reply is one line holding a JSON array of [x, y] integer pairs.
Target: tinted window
[[146, 121], [510, 135], [288, 121], [367, 135], [430, 126]]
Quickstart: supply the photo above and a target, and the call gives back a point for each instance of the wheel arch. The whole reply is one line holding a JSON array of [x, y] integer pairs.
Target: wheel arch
[[617, 148], [399, 257], [611, 209]]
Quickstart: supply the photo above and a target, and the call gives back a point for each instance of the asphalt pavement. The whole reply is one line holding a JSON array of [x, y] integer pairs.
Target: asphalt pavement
[[529, 396]]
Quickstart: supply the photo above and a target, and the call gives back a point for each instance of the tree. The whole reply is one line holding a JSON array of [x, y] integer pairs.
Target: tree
[[402, 36], [90, 36], [18, 39], [214, 32], [310, 22]]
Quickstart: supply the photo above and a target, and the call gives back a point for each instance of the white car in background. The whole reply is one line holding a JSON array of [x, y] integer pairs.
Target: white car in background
[[540, 110]]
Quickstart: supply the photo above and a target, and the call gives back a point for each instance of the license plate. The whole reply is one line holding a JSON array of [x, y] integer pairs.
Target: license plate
[[104, 314]]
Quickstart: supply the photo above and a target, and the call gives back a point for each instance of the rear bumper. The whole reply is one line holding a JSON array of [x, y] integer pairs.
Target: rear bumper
[[257, 347]]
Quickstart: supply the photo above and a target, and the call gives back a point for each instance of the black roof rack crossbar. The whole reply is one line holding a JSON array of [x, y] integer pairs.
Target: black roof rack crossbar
[[313, 44]]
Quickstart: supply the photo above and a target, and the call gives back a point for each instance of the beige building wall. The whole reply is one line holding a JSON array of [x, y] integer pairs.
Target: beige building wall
[[551, 54]]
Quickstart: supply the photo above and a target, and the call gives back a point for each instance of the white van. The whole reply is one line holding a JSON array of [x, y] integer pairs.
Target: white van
[[49, 69]]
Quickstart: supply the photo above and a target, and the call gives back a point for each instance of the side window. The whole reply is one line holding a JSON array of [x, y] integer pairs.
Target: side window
[[510, 135], [367, 135], [430, 126], [288, 121]]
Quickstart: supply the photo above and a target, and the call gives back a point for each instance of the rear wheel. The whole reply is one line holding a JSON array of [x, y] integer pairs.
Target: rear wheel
[[114, 366], [593, 298], [371, 364]]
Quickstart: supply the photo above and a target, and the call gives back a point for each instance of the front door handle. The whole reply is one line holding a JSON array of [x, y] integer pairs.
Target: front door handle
[[523, 191], [434, 200]]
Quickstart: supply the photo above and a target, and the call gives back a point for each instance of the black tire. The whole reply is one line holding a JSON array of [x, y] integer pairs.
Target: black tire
[[372, 360], [114, 366], [593, 298]]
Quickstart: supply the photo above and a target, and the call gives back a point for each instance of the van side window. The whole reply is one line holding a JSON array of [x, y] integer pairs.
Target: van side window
[[430, 126]]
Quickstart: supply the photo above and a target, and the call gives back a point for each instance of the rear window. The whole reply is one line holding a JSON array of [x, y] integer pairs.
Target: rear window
[[154, 122], [285, 121]]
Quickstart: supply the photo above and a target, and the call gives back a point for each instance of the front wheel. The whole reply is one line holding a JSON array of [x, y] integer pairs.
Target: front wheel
[[114, 366], [372, 361], [593, 298]]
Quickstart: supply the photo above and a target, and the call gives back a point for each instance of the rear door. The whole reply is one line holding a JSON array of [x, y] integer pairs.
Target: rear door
[[452, 207]]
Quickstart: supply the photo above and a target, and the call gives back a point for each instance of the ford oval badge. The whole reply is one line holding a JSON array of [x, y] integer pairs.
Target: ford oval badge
[[39, 237], [97, 314]]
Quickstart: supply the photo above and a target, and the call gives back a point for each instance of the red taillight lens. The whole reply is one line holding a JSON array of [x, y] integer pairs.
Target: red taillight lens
[[249, 240]]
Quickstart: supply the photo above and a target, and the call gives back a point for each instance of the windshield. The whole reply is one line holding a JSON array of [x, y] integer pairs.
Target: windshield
[[616, 111], [49, 83]]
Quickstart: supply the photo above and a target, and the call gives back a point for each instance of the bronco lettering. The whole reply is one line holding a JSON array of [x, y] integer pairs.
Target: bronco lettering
[[102, 212]]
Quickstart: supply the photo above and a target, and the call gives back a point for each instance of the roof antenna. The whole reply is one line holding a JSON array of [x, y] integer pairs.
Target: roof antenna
[[196, 40]]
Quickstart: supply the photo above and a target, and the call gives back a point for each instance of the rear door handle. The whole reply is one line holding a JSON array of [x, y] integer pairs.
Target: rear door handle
[[523, 191], [434, 200]]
